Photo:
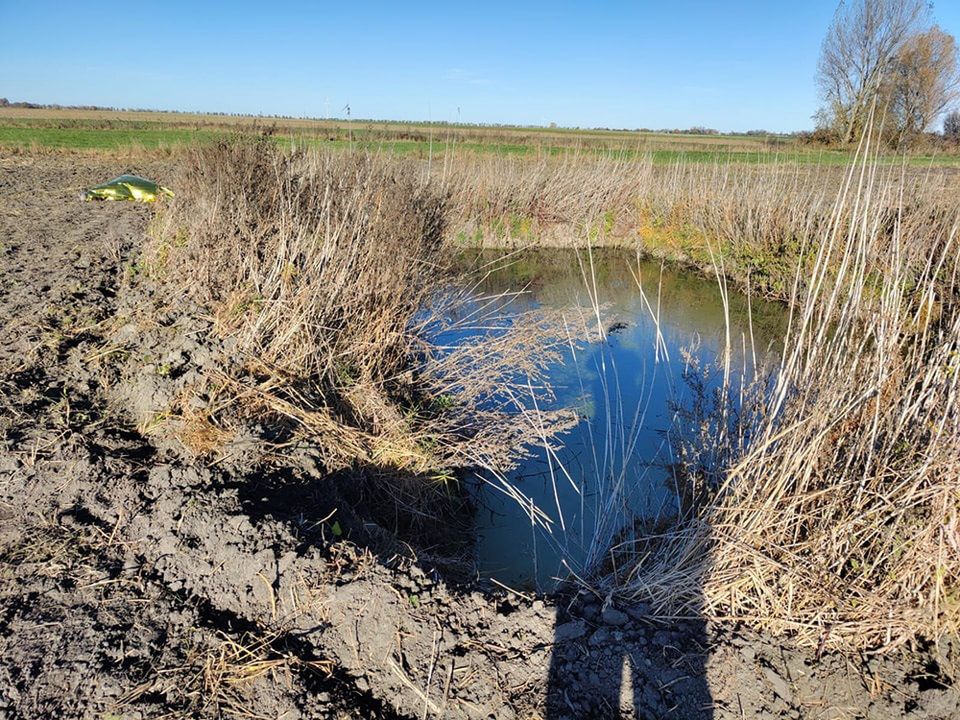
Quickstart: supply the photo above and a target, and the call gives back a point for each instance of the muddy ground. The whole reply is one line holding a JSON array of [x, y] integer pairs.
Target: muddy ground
[[139, 581]]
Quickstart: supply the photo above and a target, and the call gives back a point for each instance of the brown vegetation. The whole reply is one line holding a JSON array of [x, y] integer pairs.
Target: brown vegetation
[[762, 220], [319, 271], [829, 501]]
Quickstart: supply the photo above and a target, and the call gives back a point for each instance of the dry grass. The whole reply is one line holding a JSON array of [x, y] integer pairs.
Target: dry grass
[[320, 273], [510, 202], [225, 672], [314, 268], [219, 677], [763, 220], [767, 222], [827, 506]]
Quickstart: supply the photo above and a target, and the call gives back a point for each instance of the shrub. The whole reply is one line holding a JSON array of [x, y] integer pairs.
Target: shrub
[[323, 270]]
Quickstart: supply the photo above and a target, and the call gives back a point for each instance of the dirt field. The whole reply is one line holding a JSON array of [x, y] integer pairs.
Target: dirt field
[[137, 581]]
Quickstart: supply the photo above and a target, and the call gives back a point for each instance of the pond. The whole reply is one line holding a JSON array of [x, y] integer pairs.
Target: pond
[[615, 463]]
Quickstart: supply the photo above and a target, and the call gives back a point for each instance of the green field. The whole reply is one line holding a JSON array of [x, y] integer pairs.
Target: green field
[[96, 130]]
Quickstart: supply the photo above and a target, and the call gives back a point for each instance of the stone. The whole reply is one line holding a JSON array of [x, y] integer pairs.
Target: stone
[[780, 686], [569, 631], [612, 616]]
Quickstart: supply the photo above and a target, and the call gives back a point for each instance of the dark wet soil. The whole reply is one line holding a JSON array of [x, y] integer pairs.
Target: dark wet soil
[[137, 580]]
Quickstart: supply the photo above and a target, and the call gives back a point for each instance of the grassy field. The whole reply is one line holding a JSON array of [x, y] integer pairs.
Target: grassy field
[[101, 130]]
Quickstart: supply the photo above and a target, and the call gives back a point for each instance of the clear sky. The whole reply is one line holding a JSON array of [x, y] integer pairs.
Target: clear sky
[[735, 65]]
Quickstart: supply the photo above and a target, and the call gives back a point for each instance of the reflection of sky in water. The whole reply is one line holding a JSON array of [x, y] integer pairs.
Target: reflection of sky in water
[[624, 389]]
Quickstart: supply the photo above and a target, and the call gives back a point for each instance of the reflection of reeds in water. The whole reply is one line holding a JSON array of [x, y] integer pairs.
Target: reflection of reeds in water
[[821, 500], [580, 526]]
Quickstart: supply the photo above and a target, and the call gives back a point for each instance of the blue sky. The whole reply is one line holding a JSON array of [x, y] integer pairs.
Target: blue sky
[[729, 65]]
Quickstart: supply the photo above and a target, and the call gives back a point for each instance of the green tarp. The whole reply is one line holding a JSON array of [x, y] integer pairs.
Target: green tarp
[[127, 187]]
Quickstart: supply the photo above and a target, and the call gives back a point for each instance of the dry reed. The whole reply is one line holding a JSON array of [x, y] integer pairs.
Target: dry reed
[[824, 502], [758, 217], [828, 505], [321, 273]]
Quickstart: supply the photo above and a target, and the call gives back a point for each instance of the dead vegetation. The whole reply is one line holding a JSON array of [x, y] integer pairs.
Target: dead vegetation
[[320, 272], [508, 201], [826, 506], [757, 217]]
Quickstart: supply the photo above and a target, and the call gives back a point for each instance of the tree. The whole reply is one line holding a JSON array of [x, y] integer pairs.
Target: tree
[[859, 51], [924, 82], [951, 126]]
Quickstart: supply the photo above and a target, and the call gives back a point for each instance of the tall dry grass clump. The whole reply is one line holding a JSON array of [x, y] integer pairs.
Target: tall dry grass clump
[[833, 508], [507, 201], [316, 261], [320, 273], [760, 218]]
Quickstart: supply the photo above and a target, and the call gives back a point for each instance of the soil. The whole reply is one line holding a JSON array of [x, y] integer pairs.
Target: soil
[[138, 580]]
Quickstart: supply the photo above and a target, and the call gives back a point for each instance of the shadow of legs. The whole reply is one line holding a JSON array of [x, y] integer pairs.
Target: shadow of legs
[[613, 663]]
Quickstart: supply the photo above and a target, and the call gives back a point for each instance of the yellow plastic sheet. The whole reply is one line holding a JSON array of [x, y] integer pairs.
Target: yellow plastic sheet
[[128, 187]]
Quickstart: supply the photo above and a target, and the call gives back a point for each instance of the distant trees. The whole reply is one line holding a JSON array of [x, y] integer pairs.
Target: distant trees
[[881, 56], [695, 130], [951, 126]]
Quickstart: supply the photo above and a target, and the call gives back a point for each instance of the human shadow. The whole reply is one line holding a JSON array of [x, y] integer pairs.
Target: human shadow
[[610, 659], [619, 662]]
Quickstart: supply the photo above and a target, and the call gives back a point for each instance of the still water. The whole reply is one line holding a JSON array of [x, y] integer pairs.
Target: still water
[[614, 465]]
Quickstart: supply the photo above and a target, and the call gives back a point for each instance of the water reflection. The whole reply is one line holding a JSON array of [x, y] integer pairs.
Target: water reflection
[[615, 464]]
